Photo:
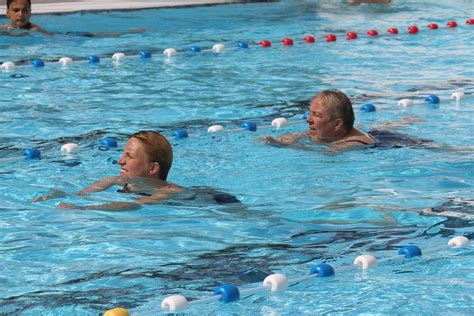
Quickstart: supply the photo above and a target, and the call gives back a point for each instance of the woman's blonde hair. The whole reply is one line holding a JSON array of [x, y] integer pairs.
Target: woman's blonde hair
[[158, 149]]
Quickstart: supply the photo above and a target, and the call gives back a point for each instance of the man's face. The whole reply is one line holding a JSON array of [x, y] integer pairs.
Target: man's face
[[19, 14], [321, 124]]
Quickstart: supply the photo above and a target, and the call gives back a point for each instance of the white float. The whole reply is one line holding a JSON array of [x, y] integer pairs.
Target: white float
[[8, 65], [458, 95], [215, 128], [280, 122], [118, 56], [277, 281], [458, 241], [174, 302], [218, 48], [405, 102], [169, 52], [70, 148], [65, 61], [365, 261]]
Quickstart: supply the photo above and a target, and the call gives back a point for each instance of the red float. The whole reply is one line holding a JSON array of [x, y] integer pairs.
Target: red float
[[331, 38], [265, 43], [392, 30], [413, 29], [372, 33], [433, 26], [287, 41], [470, 21], [351, 35], [452, 24], [309, 39]]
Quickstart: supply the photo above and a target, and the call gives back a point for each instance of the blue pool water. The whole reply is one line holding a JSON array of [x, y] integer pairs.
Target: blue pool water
[[299, 207]]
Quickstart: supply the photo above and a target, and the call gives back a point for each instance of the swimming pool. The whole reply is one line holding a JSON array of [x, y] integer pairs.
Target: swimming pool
[[300, 207]]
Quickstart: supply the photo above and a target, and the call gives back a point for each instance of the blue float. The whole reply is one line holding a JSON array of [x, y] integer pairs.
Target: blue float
[[37, 63], [145, 54], [410, 251], [229, 293], [323, 270], [305, 116], [250, 126], [108, 142], [368, 107], [180, 133], [195, 49], [93, 59], [241, 44], [32, 153], [432, 99]]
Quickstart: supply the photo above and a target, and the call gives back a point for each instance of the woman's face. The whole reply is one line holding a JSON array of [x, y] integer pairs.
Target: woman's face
[[135, 161]]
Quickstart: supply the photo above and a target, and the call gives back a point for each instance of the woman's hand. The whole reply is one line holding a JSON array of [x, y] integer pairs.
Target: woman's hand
[[55, 193], [68, 206]]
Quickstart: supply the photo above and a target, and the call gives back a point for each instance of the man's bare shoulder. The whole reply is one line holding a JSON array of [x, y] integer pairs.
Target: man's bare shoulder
[[355, 140], [37, 28]]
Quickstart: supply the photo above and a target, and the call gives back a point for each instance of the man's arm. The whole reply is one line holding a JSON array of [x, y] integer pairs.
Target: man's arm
[[406, 120], [9, 30], [283, 140]]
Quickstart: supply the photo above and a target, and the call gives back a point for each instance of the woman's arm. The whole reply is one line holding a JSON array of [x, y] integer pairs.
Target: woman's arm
[[114, 206], [101, 185], [55, 193], [98, 186], [162, 194]]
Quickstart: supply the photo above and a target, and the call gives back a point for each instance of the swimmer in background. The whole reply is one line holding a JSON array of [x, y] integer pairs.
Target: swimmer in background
[[458, 211], [368, 1], [19, 13], [331, 120], [145, 163]]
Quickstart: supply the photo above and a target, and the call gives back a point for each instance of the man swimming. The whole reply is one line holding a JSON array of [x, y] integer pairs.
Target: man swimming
[[331, 123]]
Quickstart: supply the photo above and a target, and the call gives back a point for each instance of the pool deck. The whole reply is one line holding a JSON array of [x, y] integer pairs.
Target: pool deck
[[66, 6]]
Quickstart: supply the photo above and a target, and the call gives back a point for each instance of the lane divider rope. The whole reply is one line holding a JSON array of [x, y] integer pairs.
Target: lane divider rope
[[278, 282], [219, 48]]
